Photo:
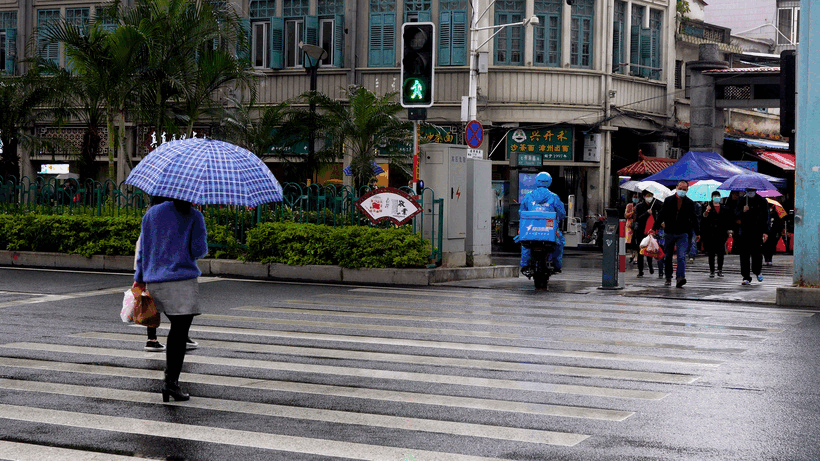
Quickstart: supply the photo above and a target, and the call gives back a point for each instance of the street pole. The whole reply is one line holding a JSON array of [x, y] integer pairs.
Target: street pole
[[473, 87], [313, 56], [415, 157]]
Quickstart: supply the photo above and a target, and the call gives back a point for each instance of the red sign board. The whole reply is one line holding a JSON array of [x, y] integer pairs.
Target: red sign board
[[388, 204]]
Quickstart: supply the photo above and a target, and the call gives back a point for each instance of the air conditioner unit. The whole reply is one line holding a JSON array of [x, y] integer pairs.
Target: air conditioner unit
[[675, 152]]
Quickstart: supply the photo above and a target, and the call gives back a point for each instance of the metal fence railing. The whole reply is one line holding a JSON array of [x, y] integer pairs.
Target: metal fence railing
[[327, 205]]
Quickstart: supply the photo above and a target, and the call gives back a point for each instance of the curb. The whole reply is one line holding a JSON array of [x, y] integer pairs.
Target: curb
[[250, 270], [798, 297]]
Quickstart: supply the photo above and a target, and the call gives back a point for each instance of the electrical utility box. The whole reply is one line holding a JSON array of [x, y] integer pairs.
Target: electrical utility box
[[480, 205], [443, 168]]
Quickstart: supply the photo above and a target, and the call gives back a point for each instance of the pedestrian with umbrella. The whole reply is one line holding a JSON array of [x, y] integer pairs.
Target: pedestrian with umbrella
[[752, 213], [173, 233], [716, 226], [643, 212], [775, 229]]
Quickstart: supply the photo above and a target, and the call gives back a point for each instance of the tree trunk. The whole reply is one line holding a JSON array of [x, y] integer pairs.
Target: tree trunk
[[112, 145]]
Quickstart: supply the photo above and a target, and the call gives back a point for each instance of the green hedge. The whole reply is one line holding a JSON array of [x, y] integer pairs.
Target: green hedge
[[350, 246], [287, 243]]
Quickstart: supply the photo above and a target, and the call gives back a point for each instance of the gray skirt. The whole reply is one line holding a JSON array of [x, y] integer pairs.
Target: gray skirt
[[180, 297]]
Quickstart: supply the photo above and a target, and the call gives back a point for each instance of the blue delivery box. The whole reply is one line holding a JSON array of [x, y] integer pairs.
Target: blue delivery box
[[537, 225]]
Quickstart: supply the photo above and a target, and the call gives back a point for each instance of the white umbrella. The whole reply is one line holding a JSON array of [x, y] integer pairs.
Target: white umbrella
[[701, 191], [658, 190], [631, 186]]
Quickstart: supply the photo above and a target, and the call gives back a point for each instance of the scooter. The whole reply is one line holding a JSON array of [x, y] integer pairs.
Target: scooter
[[537, 232]]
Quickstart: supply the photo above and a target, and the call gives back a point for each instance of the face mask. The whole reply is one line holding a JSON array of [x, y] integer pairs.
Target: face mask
[[750, 194], [634, 200], [681, 193], [648, 199], [716, 199]]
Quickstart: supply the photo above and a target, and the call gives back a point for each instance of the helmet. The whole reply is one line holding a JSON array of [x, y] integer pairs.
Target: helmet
[[543, 179]]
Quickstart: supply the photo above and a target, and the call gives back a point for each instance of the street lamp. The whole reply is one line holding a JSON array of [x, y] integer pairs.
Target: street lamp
[[474, 47], [315, 54]]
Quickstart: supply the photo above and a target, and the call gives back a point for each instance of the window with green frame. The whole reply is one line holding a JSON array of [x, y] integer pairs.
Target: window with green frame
[[292, 8], [328, 7], [8, 41], [382, 34], [619, 38], [46, 50], [452, 33], [655, 25], [418, 10], [635, 39], [332, 31], [509, 43], [581, 24], [547, 34]]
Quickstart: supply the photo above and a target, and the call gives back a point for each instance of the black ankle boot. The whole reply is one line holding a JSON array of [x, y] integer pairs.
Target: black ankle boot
[[172, 389]]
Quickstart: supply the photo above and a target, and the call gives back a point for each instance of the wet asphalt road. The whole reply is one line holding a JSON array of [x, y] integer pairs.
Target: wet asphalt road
[[291, 371]]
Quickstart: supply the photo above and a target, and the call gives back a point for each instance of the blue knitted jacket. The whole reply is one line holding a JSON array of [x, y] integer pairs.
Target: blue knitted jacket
[[170, 244]]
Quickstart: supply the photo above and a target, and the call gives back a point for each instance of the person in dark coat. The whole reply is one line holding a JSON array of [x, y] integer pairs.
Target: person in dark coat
[[753, 215], [716, 226], [776, 229], [642, 213], [731, 205], [679, 220]]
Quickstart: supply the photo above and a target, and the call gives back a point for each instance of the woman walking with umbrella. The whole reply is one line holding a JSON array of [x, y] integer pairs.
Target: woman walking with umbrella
[[715, 229], [173, 238], [173, 233]]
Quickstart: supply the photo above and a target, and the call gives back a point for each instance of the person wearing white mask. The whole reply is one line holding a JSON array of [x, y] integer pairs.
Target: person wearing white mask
[[715, 228], [753, 215], [679, 220]]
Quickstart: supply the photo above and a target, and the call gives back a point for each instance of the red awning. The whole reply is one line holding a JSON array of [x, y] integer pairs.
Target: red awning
[[782, 160], [646, 166]]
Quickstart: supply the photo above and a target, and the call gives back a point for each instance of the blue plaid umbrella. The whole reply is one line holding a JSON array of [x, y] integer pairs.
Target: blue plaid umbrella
[[206, 172], [747, 181], [377, 170]]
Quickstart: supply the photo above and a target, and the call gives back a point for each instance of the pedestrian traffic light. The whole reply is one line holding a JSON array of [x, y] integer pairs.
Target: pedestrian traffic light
[[417, 64]]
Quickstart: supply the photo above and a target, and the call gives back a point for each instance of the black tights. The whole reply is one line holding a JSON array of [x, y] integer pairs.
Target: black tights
[[175, 353]]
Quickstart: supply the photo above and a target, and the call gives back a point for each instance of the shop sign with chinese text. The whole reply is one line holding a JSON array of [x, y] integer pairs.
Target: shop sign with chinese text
[[534, 147], [388, 204]]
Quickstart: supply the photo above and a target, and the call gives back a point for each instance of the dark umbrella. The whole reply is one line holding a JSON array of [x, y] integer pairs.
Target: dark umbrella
[[747, 181]]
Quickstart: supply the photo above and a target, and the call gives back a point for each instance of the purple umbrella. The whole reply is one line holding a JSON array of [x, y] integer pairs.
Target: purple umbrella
[[747, 181]]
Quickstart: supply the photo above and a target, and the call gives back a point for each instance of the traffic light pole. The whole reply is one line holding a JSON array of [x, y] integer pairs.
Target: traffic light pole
[[415, 157]]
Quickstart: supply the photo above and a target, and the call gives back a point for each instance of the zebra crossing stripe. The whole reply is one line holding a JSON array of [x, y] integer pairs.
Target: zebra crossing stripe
[[366, 373], [330, 390], [233, 437], [15, 451], [411, 329], [306, 413], [606, 373]]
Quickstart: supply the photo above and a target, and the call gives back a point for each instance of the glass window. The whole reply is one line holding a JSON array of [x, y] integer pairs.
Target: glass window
[[583, 13], [8, 20], [259, 43], [788, 22], [262, 9], [331, 7], [294, 31], [78, 17], [326, 39], [655, 28], [295, 8], [509, 42], [547, 34]]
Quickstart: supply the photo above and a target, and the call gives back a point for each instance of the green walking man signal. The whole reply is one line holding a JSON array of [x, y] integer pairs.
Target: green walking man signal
[[418, 62]]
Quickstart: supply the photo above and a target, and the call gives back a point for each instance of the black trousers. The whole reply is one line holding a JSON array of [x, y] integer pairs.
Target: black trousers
[[715, 247], [751, 254], [175, 351], [648, 262], [770, 247]]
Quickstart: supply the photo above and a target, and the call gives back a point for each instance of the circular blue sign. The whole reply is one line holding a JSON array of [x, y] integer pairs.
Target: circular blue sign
[[474, 134]]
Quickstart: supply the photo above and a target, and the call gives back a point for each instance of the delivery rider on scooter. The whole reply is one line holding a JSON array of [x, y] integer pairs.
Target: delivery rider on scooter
[[542, 199]]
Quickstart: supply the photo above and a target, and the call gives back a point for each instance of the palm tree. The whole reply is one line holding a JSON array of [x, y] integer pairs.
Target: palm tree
[[243, 125], [22, 99], [366, 126]]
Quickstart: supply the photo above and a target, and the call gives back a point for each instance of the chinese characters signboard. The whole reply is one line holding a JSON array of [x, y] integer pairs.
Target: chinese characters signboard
[[388, 204], [536, 146]]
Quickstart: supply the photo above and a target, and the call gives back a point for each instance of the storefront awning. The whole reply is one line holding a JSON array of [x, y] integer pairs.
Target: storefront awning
[[646, 166], [782, 160]]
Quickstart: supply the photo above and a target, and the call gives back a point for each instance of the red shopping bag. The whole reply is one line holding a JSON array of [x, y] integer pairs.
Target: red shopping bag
[[780, 247], [729, 242], [649, 223]]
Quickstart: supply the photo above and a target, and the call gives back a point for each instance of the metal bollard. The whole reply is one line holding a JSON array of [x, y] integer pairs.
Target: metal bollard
[[622, 253], [611, 266]]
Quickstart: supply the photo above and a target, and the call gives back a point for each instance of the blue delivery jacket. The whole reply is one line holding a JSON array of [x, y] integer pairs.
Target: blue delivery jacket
[[543, 199]]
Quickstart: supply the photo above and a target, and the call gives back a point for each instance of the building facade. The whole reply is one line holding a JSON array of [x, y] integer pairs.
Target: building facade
[[575, 93]]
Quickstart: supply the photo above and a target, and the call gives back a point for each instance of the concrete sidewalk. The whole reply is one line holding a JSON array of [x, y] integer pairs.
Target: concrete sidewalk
[[582, 274]]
